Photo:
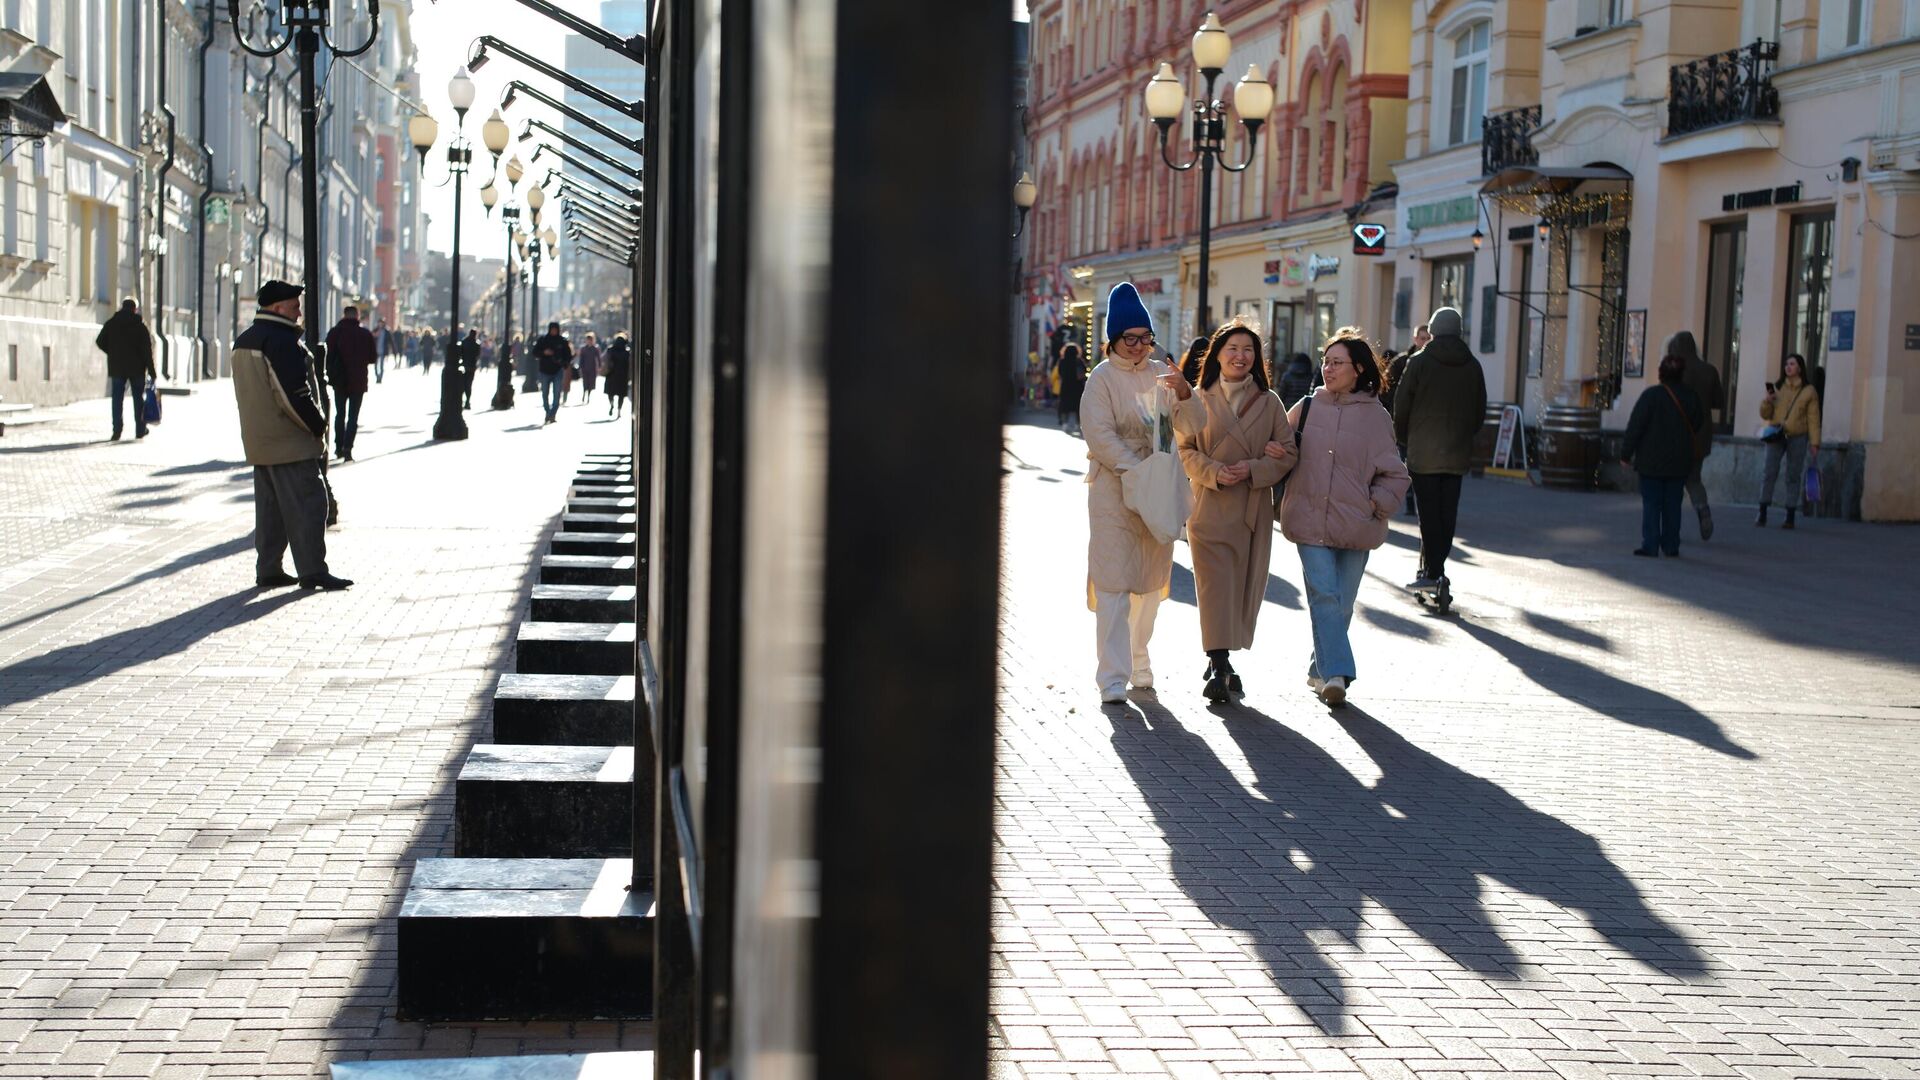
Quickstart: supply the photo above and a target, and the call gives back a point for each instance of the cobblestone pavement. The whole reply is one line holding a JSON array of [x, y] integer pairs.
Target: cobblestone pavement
[[1617, 817], [211, 797]]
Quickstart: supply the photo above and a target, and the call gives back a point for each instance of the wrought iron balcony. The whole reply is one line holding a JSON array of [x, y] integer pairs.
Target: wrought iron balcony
[[1506, 139], [1725, 88]]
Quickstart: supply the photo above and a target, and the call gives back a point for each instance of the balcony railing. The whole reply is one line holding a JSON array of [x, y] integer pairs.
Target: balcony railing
[[1725, 88], [1506, 139]]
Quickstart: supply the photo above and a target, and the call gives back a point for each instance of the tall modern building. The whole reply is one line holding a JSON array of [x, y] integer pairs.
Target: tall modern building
[[586, 278]]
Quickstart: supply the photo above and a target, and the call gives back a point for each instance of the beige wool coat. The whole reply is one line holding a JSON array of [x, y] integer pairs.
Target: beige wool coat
[[1349, 480], [1230, 531], [1122, 554]]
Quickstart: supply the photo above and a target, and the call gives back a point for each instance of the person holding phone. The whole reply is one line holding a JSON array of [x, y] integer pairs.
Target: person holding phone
[[1793, 407], [1128, 569]]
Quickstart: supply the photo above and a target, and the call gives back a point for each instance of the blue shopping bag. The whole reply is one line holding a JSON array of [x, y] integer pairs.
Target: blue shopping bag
[[1810, 490], [152, 405]]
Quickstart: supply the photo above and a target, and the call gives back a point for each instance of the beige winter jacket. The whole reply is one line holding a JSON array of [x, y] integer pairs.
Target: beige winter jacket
[[1122, 554], [1350, 478], [1230, 531]]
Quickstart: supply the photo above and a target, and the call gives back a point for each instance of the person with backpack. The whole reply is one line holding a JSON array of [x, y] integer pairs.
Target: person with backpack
[[1660, 446]]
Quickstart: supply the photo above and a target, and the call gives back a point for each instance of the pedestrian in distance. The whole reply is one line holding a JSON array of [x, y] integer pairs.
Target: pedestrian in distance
[[1792, 412], [1422, 334], [1704, 380], [350, 353], [619, 365], [382, 345], [1073, 386], [1190, 363], [555, 356], [428, 343], [1438, 407], [1347, 482], [1662, 446], [1395, 368], [469, 352], [128, 343], [1128, 568], [589, 364], [1296, 380], [1236, 445], [276, 389]]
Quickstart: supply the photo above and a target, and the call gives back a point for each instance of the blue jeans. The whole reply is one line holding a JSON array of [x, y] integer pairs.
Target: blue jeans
[[1660, 513], [1333, 585], [138, 384], [550, 393]]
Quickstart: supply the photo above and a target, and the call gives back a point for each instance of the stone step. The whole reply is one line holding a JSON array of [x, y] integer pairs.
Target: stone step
[[599, 523], [544, 802], [606, 1065], [587, 569], [564, 710], [595, 504], [602, 491], [612, 456], [583, 603], [611, 474], [574, 648], [525, 939], [598, 543]]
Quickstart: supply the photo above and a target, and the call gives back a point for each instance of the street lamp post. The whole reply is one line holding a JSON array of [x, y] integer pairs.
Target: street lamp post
[[1252, 101], [424, 129], [495, 134]]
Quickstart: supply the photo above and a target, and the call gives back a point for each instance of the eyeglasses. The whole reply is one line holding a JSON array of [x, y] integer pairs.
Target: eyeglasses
[[1134, 341], [1324, 364]]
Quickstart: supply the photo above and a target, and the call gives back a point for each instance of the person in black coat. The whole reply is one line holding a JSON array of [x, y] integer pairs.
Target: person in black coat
[[555, 355], [128, 343], [469, 350], [1660, 447], [1073, 382], [1296, 381], [616, 366]]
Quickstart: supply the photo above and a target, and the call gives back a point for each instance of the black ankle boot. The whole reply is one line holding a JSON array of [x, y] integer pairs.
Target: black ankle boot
[[1761, 519], [1788, 524]]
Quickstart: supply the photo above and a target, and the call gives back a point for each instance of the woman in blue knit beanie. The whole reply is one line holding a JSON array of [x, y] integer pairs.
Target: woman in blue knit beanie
[[1128, 570]]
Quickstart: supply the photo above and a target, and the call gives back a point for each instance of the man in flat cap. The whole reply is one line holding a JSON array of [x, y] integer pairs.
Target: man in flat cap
[[285, 438]]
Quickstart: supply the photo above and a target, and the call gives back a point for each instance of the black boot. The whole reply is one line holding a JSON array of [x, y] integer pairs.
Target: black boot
[[1219, 671], [1762, 518], [1788, 524]]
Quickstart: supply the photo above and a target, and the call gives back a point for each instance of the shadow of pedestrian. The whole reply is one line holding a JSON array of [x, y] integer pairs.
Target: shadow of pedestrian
[[208, 554], [84, 662], [203, 467], [1627, 702], [1281, 591]]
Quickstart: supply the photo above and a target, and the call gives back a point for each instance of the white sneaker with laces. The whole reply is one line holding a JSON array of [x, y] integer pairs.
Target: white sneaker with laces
[[1142, 680], [1113, 695], [1334, 691], [1315, 682]]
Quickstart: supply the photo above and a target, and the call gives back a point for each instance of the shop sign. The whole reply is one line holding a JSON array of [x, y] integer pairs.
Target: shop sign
[[1841, 337], [1293, 270], [1319, 266], [1445, 212], [1149, 286], [1369, 238]]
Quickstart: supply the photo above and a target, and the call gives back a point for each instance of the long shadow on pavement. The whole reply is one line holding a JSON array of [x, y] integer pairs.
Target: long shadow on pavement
[[1290, 863], [210, 553]]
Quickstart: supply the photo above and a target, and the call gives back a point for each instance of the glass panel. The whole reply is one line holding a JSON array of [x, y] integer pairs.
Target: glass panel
[[1457, 117], [1477, 108], [1325, 319], [1453, 286], [1809, 282], [1523, 316], [1726, 295]]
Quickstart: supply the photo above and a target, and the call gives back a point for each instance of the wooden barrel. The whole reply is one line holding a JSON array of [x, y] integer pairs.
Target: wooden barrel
[[1569, 446], [1487, 436]]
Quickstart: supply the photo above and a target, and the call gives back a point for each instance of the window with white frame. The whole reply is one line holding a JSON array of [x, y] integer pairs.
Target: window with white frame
[[1856, 30], [1467, 88]]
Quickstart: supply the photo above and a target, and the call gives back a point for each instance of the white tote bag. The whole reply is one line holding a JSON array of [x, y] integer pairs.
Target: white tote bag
[[1156, 488]]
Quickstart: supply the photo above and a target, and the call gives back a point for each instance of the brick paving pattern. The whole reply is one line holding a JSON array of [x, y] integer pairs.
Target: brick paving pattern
[[211, 797], [1617, 818]]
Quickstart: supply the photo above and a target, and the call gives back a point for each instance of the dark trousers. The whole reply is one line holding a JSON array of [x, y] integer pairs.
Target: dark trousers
[[1697, 488], [1660, 513], [290, 510], [346, 422], [466, 386], [138, 384], [1438, 498]]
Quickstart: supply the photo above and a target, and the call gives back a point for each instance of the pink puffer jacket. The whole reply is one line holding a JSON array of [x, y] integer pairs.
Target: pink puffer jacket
[[1350, 478]]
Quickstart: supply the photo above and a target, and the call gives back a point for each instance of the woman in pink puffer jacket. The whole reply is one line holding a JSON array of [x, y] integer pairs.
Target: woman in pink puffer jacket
[[1348, 482]]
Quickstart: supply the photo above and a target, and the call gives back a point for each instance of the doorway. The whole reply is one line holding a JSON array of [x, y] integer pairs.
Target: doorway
[[1726, 296]]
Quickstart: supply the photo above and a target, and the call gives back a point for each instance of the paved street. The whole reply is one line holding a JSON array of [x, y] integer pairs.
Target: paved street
[[1618, 817], [211, 797]]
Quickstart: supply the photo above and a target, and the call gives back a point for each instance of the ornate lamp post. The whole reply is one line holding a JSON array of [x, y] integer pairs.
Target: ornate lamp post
[[1024, 194], [1252, 101], [495, 135], [424, 129]]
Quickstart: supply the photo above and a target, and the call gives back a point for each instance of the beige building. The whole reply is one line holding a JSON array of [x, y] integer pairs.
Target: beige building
[[1743, 170]]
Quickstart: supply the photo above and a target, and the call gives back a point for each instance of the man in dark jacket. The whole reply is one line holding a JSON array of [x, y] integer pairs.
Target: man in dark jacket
[[350, 352], [1438, 407], [1660, 446], [1704, 380], [1296, 381], [276, 389], [554, 354], [129, 348], [469, 363]]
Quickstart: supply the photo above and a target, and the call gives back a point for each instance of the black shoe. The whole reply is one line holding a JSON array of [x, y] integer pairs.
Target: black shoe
[[1788, 524], [1706, 523], [1233, 683], [276, 581], [116, 437], [325, 583], [1761, 518], [1646, 553], [1217, 689]]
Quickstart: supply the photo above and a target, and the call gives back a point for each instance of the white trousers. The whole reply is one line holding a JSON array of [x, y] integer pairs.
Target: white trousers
[[1125, 623]]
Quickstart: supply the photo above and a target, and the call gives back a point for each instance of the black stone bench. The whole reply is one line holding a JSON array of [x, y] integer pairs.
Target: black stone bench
[[605, 1065], [583, 603], [602, 491], [574, 648], [564, 710], [596, 543], [587, 569], [544, 802], [596, 504], [525, 939], [599, 523]]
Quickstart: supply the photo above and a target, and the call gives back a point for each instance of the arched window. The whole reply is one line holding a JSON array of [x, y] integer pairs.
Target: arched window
[[1467, 88]]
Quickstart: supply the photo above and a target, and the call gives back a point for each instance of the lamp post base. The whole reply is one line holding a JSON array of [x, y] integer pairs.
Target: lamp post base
[[451, 424], [503, 393]]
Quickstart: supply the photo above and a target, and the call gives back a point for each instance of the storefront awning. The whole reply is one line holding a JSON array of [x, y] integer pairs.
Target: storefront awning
[[28, 109], [1545, 180]]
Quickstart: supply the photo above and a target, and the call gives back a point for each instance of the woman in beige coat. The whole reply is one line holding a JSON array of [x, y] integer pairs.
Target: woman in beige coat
[[1348, 482], [1127, 568], [1225, 434]]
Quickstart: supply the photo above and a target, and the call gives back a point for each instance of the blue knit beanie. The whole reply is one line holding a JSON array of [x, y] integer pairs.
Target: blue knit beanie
[[1125, 311]]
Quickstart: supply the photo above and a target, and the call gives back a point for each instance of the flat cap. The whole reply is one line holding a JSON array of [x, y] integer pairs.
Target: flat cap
[[275, 291]]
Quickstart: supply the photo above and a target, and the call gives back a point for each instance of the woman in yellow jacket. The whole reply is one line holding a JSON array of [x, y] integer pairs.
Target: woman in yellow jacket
[[1792, 405]]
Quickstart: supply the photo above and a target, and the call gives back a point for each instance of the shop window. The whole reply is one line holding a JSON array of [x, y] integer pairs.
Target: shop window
[[1467, 93], [1453, 287], [1726, 297], [1809, 286], [1326, 319], [1523, 319], [1856, 30]]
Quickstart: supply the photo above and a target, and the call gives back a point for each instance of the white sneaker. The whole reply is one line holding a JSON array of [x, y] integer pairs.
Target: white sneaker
[[1113, 695], [1142, 680], [1334, 691], [1315, 682]]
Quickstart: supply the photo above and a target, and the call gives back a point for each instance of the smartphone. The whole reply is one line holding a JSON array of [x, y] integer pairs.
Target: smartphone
[[1769, 388]]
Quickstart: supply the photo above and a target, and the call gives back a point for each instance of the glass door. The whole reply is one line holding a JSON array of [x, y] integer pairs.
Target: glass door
[[1523, 316], [1280, 341], [1726, 296], [1809, 287]]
